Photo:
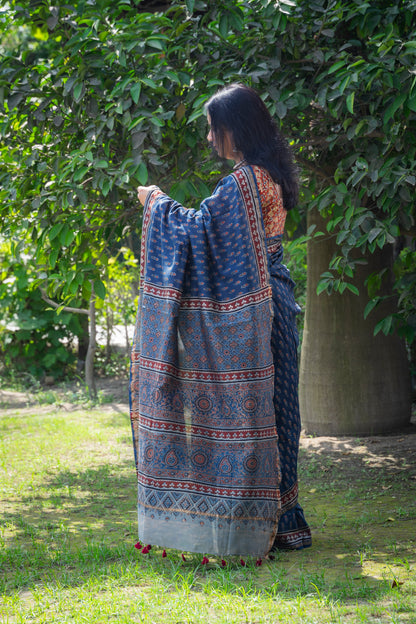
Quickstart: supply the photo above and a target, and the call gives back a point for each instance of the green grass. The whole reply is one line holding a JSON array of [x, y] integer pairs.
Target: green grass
[[68, 508]]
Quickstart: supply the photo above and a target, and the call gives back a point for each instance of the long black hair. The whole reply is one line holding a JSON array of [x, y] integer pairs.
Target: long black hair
[[239, 109]]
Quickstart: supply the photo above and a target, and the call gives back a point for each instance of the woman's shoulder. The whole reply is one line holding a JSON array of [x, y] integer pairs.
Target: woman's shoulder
[[226, 184]]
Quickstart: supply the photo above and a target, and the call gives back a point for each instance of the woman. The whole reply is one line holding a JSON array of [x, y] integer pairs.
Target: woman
[[214, 361]]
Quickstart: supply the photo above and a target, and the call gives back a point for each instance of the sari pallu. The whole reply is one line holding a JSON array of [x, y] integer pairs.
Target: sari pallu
[[202, 375]]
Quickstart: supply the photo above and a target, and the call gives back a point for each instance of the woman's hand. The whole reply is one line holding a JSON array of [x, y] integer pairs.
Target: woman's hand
[[142, 193]]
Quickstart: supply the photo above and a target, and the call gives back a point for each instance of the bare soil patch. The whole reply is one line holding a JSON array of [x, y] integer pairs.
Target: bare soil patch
[[395, 451]]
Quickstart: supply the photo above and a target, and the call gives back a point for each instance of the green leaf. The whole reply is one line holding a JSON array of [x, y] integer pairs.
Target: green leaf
[[69, 237], [349, 213], [370, 306], [173, 76], [136, 122], [195, 115], [99, 288], [79, 173], [322, 286], [69, 84], [142, 173], [352, 288], [385, 325], [411, 103], [285, 6], [15, 99], [157, 122], [223, 26], [106, 186], [154, 42], [350, 102], [281, 109], [373, 233], [348, 271], [63, 234], [190, 6], [86, 289], [77, 91], [394, 106], [336, 66], [345, 82], [54, 231], [53, 256], [149, 82], [135, 92]]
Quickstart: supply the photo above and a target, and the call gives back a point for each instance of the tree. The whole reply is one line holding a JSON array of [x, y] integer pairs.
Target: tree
[[365, 111], [33, 339], [93, 95], [351, 382], [120, 305], [99, 97], [77, 135]]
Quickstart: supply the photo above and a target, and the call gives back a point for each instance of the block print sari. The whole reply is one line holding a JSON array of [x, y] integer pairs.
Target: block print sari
[[202, 376]]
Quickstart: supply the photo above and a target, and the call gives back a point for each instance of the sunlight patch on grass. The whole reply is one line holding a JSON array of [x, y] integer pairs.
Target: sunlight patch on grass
[[68, 497]]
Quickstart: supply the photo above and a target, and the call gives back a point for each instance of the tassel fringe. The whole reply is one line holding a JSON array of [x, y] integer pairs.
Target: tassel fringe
[[146, 549]]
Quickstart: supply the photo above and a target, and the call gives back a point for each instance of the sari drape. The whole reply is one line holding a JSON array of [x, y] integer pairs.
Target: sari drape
[[293, 531], [202, 376]]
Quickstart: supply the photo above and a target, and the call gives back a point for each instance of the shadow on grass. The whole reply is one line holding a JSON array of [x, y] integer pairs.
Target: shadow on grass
[[83, 523]]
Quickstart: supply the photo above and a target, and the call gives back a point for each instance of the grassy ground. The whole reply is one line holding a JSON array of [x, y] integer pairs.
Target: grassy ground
[[67, 496]]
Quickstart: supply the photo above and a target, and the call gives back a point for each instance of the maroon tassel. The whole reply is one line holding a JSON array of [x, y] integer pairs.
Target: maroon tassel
[[258, 563], [205, 560], [145, 550], [272, 557], [223, 563], [164, 554], [149, 546], [183, 557], [138, 546], [243, 563]]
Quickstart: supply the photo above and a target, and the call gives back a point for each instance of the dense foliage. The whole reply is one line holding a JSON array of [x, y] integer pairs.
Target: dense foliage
[[33, 339], [99, 97]]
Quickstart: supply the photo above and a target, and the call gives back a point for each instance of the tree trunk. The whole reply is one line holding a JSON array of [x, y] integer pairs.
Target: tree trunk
[[83, 341], [89, 360], [109, 324], [351, 382], [126, 334]]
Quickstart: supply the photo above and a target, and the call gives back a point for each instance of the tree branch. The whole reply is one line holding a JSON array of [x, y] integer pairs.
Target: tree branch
[[315, 169], [65, 308]]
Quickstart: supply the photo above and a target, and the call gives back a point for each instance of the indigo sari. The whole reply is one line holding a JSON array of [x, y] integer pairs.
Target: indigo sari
[[213, 391], [202, 376]]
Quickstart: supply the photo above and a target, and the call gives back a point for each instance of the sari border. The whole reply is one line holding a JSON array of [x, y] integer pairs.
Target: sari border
[[226, 376], [248, 188]]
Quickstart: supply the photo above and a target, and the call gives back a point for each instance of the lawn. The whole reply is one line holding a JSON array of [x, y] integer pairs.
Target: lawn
[[68, 529]]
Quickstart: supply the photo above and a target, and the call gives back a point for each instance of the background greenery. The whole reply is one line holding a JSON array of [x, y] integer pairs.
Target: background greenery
[[99, 97]]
